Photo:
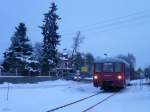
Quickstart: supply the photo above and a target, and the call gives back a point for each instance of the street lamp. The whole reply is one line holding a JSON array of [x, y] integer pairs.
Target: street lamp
[[105, 54]]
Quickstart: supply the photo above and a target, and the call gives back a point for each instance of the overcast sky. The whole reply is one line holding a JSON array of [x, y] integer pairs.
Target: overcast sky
[[109, 26]]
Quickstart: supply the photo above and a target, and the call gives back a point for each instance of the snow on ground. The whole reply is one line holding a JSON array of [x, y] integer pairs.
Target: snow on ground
[[42, 96], [135, 98], [47, 95]]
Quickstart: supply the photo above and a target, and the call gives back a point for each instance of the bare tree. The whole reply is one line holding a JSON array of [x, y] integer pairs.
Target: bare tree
[[77, 40], [37, 54], [147, 72], [130, 58]]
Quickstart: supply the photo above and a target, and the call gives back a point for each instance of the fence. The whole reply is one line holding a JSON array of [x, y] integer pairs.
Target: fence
[[18, 78], [25, 79]]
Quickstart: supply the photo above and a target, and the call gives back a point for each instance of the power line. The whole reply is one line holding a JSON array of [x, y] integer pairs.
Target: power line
[[117, 26], [119, 20], [121, 17]]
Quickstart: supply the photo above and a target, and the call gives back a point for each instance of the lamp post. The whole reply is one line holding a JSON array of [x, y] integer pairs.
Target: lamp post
[[0, 70], [105, 54]]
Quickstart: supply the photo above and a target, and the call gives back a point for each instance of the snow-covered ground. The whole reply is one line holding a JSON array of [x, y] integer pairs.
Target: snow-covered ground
[[47, 95], [133, 99], [42, 96]]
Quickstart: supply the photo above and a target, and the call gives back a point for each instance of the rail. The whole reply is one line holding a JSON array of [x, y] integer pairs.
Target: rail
[[51, 110]]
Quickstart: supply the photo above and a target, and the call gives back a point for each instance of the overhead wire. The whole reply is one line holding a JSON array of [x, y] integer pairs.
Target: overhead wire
[[137, 16]]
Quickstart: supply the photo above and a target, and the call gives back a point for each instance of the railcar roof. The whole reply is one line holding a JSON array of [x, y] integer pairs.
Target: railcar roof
[[111, 60]]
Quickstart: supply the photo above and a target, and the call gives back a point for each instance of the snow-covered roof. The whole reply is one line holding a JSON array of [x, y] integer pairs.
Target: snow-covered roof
[[105, 60], [1, 67], [65, 53], [63, 58]]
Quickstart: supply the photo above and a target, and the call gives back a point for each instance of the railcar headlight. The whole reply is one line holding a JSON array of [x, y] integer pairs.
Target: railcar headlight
[[95, 77], [119, 77]]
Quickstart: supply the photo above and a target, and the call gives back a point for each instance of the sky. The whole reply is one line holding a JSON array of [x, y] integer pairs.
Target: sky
[[108, 26]]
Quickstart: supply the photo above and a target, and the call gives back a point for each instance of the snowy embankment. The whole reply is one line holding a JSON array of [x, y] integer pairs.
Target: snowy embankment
[[47, 95], [42, 96]]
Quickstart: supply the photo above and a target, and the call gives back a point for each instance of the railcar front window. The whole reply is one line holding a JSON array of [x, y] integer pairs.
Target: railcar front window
[[98, 67], [107, 67], [118, 67]]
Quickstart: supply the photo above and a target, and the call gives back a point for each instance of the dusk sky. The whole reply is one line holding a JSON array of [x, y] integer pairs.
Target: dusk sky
[[109, 26]]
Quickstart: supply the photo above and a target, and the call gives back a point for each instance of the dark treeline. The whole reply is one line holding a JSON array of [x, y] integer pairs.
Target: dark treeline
[[22, 58]]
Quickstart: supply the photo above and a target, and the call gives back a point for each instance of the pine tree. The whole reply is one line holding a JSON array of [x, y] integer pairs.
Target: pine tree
[[50, 41], [18, 54]]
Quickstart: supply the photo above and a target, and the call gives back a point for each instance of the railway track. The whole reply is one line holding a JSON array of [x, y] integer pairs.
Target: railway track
[[77, 101], [80, 100], [91, 107]]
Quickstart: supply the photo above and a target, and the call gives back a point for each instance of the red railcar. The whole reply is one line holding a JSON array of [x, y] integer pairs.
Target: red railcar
[[111, 73]]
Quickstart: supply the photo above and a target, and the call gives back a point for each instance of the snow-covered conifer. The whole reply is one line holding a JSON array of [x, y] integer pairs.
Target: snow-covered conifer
[[20, 51], [50, 40]]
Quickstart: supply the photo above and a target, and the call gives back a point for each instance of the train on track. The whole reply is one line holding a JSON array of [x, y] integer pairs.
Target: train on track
[[111, 73]]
